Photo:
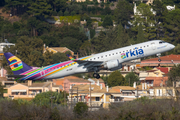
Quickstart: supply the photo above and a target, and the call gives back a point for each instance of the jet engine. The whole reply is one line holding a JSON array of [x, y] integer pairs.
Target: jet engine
[[113, 65]]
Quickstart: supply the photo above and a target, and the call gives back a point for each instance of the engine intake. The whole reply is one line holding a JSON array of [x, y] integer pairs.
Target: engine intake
[[113, 64]]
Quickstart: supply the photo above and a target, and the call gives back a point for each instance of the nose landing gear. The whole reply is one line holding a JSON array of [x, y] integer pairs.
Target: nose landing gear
[[158, 55]]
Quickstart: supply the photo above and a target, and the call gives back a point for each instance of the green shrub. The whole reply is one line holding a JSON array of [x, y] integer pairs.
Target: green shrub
[[80, 108], [60, 13], [66, 13]]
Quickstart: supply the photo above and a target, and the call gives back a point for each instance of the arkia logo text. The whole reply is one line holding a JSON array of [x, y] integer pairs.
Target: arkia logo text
[[137, 52]]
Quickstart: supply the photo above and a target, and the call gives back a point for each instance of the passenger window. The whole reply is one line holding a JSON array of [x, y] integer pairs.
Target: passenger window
[[106, 55], [109, 54], [90, 59], [98, 57], [94, 58], [123, 51], [116, 53], [144, 46], [113, 54], [140, 47], [120, 52], [127, 50], [147, 45], [101, 56]]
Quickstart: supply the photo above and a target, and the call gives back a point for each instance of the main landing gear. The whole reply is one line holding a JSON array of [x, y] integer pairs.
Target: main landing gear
[[158, 55], [96, 75]]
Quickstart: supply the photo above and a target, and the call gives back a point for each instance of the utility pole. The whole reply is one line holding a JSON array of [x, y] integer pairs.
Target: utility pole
[[129, 81], [64, 93], [71, 96], [77, 94], [90, 94]]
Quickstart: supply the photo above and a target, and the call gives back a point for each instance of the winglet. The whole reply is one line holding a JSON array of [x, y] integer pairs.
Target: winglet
[[70, 57]]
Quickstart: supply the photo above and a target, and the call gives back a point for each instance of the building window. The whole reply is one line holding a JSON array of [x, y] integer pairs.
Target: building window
[[169, 92], [97, 98]]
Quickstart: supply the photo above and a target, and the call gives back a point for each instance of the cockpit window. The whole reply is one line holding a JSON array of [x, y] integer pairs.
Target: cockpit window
[[161, 42]]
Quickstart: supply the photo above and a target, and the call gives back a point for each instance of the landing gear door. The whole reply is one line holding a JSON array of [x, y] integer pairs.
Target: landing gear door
[[153, 46]]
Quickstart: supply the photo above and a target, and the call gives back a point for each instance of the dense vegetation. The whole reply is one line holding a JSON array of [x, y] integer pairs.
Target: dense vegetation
[[31, 27], [139, 110]]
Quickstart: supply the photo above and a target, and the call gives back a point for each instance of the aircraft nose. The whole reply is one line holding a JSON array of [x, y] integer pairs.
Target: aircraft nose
[[172, 46]]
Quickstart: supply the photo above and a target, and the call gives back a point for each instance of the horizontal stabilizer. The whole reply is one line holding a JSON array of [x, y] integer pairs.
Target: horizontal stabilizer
[[16, 76]]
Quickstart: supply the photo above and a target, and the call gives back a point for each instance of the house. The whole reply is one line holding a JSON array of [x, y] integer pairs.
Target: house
[[168, 61], [29, 90], [68, 81], [58, 49], [126, 93], [154, 77], [94, 95], [164, 92], [5, 82]]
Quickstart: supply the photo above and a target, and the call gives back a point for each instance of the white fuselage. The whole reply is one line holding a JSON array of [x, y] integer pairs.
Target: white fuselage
[[121, 54]]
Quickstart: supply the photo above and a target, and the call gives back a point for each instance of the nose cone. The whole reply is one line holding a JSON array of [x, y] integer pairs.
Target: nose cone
[[171, 46]]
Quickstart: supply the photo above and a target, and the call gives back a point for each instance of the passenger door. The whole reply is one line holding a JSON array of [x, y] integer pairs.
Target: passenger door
[[153, 46]]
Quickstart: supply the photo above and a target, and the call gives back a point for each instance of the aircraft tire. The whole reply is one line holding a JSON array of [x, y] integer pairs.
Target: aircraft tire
[[95, 75], [98, 76]]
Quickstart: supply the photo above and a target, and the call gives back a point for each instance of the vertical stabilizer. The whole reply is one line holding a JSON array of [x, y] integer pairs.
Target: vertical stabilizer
[[16, 65]]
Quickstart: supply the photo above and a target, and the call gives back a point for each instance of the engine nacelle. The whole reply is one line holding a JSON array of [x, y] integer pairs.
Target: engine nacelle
[[113, 64]]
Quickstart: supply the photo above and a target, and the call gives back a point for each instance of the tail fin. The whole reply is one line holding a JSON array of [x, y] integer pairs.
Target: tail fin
[[16, 65]]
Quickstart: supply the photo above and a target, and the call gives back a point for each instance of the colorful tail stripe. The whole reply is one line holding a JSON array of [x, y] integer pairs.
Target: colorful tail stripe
[[17, 66]]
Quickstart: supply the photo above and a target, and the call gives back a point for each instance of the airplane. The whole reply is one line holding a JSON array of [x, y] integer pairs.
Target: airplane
[[109, 60]]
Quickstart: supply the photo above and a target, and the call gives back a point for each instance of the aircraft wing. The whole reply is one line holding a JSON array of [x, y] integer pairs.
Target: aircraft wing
[[89, 63], [16, 76]]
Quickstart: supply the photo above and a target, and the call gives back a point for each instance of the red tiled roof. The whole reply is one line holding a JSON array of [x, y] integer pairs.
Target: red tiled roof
[[158, 80], [163, 69], [166, 58]]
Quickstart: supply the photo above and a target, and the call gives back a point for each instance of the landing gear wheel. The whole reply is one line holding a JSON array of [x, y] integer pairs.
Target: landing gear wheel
[[159, 60], [96, 75]]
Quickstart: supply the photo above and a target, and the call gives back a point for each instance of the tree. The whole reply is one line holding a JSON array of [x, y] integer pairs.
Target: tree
[[44, 98], [173, 75], [116, 79], [2, 2], [122, 38], [140, 36], [172, 27], [57, 5], [131, 78], [66, 13], [99, 42], [123, 14], [177, 49], [80, 108], [40, 8], [59, 57], [107, 21], [1, 90]]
